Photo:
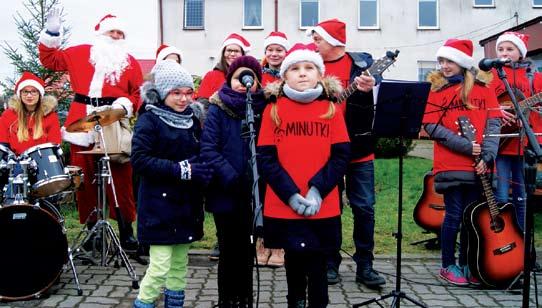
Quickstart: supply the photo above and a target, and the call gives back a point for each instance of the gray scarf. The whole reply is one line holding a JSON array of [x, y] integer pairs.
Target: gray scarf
[[171, 118], [306, 96]]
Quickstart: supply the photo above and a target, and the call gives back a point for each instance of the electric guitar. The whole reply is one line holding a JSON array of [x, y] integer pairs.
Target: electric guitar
[[429, 210], [495, 241], [378, 67], [526, 104]]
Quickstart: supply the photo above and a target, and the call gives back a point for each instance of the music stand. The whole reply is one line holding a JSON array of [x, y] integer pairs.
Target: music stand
[[400, 106]]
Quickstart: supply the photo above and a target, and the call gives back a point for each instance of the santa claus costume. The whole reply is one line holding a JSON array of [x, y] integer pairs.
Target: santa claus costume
[[102, 74]]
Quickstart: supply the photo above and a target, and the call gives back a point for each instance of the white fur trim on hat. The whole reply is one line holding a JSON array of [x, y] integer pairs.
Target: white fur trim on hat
[[167, 51], [30, 82], [235, 41], [50, 41], [456, 55], [326, 36], [276, 40], [111, 23], [515, 40], [301, 56]]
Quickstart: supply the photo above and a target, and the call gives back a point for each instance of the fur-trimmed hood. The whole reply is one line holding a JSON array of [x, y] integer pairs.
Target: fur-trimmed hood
[[439, 82], [149, 95], [48, 103], [332, 88]]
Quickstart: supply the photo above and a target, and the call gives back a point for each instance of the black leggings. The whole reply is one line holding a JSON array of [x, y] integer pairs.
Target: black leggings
[[307, 268]]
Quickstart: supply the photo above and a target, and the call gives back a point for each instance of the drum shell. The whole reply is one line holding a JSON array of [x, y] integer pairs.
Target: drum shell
[[50, 176]]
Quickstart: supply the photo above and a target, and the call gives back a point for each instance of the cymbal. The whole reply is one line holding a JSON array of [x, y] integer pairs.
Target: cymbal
[[104, 118], [97, 152]]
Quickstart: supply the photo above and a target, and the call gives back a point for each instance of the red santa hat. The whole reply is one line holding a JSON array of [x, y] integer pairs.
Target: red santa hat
[[109, 22], [164, 50], [459, 51], [332, 30], [29, 79], [519, 39], [237, 39], [301, 53], [278, 38]]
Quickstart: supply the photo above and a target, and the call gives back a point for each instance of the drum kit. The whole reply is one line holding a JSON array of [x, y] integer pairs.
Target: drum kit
[[35, 184]]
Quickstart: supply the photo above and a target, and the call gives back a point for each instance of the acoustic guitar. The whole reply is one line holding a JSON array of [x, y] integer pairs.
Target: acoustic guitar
[[429, 210], [495, 241]]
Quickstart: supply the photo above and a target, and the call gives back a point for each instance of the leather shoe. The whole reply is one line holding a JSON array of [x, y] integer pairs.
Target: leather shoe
[[369, 278], [332, 276]]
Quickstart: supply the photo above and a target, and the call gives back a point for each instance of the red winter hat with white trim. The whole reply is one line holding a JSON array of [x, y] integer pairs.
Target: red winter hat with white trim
[[519, 39], [278, 38], [237, 39], [164, 50], [459, 51], [29, 79], [302, 53], [109, 22], [332, 30]]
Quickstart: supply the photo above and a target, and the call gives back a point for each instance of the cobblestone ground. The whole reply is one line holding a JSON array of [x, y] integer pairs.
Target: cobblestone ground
[[110, 287]]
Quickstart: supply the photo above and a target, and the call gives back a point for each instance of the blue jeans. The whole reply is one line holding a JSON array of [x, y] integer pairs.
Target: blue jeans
[[456, 200], [510, 169], [360, 190]]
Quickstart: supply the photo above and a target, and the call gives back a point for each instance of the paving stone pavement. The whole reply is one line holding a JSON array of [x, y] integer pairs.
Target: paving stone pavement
[[111, 287]]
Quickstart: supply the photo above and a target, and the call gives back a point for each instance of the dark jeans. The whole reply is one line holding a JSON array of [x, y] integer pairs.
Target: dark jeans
[[236, 256], [456, 200], [510, 169], [360, 190], [306, 269]]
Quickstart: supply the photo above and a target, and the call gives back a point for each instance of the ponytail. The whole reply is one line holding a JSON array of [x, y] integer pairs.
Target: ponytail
[[466, 88]]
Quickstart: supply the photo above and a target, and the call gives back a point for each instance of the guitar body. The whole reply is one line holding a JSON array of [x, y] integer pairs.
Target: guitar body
[[429, 211], [495, 257]]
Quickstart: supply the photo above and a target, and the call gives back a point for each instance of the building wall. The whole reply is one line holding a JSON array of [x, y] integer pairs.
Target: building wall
[[398, 28]]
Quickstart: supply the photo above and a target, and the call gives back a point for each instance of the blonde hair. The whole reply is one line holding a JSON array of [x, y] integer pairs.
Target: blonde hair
[[22, 119], [274, 112], [466, 88]]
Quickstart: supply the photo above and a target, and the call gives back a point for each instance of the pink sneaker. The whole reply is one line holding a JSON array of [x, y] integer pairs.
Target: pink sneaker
[[470, 278], [454, 275]]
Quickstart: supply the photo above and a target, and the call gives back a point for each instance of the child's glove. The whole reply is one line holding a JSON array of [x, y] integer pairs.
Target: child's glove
[[315, 200], [298, 203], [191, 169], [53, 23]]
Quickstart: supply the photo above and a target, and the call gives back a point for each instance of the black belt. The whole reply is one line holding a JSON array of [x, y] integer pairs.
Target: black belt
[[94, 101]]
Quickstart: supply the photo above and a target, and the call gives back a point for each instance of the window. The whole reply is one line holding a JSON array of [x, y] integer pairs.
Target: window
[[252, 14], [193, 14], [424, 68], [537, 3], [428, 14], [368, 14], [484, 3], [308, 13]]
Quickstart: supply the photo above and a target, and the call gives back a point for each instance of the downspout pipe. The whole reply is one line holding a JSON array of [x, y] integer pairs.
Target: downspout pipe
[[161, 22]]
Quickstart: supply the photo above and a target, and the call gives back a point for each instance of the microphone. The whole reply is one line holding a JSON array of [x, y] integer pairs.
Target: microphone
[[487, 64], [246, 78]]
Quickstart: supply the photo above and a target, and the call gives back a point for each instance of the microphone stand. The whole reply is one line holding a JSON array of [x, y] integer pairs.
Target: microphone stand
[[532, 154]]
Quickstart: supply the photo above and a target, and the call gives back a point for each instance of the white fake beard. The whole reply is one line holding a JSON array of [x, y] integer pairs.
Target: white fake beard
[[109, 57]]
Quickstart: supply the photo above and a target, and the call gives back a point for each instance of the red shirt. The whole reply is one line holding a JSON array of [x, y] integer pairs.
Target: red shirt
[[9, 127], [212, 81], [268, 78], [518, 79], [303, 143], [341, 69], [481, 98]]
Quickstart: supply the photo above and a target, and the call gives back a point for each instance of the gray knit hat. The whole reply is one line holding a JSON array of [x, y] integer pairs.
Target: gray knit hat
[[169, 75]]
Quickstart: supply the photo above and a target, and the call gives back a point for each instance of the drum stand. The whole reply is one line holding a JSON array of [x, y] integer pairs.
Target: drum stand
[[110, 244]]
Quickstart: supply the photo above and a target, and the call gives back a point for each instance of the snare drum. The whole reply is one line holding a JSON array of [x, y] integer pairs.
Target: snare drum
[[77, 176], [50, 177], [34, 247]]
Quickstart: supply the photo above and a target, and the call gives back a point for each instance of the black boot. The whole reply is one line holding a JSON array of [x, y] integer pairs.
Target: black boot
[[369, 277], [296, 303], [127, 239]]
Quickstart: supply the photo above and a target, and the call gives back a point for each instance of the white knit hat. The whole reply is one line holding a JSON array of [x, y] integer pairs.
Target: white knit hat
[[300, 53], [169, 75]]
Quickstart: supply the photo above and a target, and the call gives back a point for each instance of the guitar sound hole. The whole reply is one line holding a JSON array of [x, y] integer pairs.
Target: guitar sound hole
[[497, 224]]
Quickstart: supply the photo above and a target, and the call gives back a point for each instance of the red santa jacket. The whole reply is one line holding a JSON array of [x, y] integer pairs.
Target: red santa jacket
[[518, 79], [9, 126], [211, 82], [75, 60]]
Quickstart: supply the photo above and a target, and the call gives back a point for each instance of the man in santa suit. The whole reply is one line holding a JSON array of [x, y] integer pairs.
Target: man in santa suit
[[102, 75]]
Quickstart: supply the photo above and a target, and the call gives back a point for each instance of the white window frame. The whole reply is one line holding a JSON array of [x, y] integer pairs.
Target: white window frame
[[261, 17], [437, 26], [377, 17], [537, 5], [483, 5], [423, 64], [301, 15], [185, 27]]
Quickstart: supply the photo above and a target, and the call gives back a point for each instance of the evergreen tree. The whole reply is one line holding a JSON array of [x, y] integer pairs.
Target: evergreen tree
[[29, 25]]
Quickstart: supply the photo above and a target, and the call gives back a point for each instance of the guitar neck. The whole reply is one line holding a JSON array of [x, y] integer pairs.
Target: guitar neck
[[347, 92], [490, 197], [533, 100]]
